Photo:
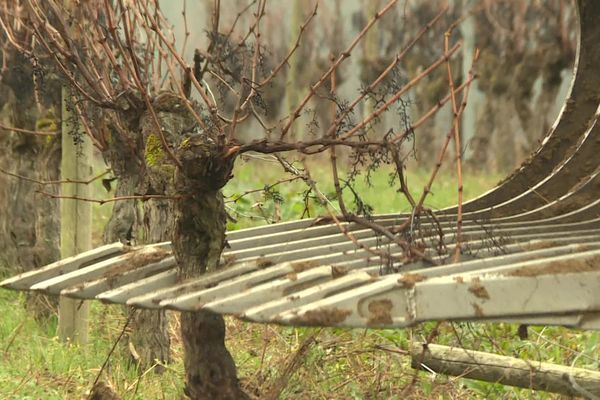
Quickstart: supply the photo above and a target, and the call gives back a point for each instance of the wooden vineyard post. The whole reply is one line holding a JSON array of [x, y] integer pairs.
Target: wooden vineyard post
[[75, 216]]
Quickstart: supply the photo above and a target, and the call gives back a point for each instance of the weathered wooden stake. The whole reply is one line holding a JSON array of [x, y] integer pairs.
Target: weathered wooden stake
[[75, 216], [506, 370]]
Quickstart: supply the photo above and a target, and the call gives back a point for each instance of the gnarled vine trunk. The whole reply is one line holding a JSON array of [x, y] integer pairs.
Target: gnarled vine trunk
[[198, 234], [149, 339], [198, 238], [150, 336]]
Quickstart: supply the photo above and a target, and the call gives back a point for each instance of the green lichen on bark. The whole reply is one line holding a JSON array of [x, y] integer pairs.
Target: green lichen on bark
[[153, 152]]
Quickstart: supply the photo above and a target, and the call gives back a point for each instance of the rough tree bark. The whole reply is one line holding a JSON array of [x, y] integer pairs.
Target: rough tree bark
[[149, 339], [29, 226], [198, 236]]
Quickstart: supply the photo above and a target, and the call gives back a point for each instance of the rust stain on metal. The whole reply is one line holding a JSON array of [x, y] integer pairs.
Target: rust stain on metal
[[373, 276], [479, 290], [300, 266], [544, 244], [459, 279], [380, 312], [478, 310], [300, 286], [559, 267], [228, 260], [409, 280], [337, 271], [134, 260], [292, 276], [322, 317], [264, 262], [141, 258]]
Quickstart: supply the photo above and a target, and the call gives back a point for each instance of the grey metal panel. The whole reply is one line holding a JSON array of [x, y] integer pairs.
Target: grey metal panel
[[25, 280], [105, 269], [90, 289], [521, 289]]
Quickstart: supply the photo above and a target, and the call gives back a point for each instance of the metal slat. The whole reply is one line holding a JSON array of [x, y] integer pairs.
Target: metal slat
[[90, 289], [274, 304], [107, 268], [519, 289], [186, 299], [25, 280]]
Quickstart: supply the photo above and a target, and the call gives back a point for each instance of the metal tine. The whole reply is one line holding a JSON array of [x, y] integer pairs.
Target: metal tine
[[575, 192], [190, 299], [520, 295], [303, 250], [524, 243], [590, 321], [275, 303], [56, 284], [303, 225], [253, 275], [150, 299], [238, 303], [121, 294], [364, 234], [244, 238], [328, 257], [270, 229], [267, 310], [228, 273], [584, 193], [207, 288], [400, 289], [566, 180], [579, 214], [194, 299], [576, 320], [247, 238], [165, 245], [39, 274], [312, 232], [361, 258], [90, 289], [25, 280], [584, 213], [306, 232]]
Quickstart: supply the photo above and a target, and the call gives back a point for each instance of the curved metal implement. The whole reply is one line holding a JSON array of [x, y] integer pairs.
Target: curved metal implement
[[533, 251]]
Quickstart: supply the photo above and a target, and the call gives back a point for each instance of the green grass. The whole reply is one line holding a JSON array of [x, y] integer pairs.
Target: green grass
[[257, 208], [342, 364]]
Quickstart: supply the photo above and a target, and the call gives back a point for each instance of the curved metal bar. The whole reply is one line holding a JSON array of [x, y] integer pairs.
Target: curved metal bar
[[577, 114]]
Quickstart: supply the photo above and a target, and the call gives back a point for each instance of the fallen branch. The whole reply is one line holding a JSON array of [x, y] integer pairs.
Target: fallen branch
[[506, 370]]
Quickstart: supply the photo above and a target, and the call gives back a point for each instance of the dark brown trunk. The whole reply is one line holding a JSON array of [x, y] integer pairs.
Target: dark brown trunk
[[198, 239], [198, 234], [29, 224], [150, 335]]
